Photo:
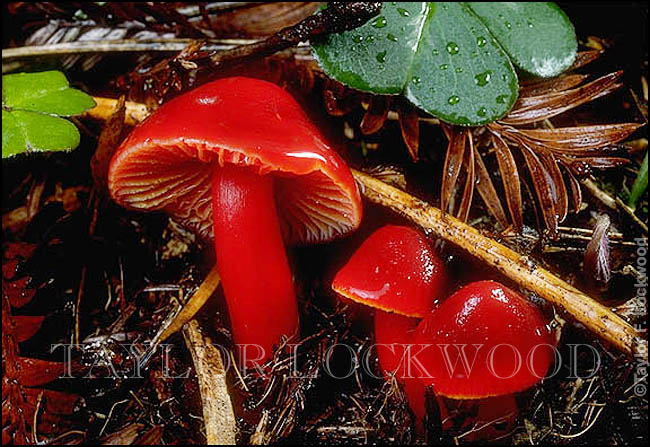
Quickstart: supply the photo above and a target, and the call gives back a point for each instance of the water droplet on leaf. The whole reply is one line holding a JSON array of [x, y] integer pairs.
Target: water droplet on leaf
[[452, 48], [403, 12], [380, 22], [453, 100], [381, 57], [482, 79]]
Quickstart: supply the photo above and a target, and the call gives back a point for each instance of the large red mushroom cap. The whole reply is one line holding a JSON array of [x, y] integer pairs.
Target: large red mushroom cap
[[508, 346], [394, 270], [167, 162]]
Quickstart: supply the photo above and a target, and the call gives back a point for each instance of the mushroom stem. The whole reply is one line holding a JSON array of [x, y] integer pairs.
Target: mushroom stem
[[252, 261], [393, 334]]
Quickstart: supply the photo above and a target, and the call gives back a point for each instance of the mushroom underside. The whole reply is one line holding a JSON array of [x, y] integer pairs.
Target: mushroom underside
[[175, 177]]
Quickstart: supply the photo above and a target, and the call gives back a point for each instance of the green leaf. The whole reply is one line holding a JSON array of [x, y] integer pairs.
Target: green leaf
[[31, 104], [538, 36], [377, 56], [640, 184], [439, 55], [45, 92], [459, 73], [453, 60], [30, 131]]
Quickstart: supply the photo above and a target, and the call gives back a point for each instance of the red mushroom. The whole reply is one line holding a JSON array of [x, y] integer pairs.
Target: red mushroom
[[507, 347], [396, 272], [238, 161]]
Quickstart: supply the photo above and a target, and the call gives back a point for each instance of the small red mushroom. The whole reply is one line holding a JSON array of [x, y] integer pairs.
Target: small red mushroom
[[238, 162], [396, 272], [507, 348]]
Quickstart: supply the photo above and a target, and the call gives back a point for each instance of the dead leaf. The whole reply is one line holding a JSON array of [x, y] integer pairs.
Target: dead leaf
[[409, 122]]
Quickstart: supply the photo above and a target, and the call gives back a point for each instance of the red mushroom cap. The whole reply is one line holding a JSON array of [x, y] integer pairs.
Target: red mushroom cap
[[394, 270], [486, 317], [166, 163]]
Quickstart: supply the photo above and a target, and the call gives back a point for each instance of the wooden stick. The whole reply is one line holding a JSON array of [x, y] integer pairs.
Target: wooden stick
[[520, 269], [134, 113], [218, 413]]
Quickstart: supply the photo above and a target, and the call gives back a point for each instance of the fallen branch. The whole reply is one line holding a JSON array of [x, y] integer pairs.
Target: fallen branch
[[519, 268]]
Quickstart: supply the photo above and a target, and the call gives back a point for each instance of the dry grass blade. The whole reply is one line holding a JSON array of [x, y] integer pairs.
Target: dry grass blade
[[585, 57], [376, 115], [562, 202], [538, 108], [576, 191], [510, 178], [410, 125], [470, 180], [554, 85], [582, 137], [218, 414], [453, 163], [191, 307], [544, 190], [486, 189], [565, 150], [586, 164]]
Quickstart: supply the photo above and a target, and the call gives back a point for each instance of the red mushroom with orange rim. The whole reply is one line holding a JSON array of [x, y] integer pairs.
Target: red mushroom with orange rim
[[237, 161], [395, 272], [484, 344]]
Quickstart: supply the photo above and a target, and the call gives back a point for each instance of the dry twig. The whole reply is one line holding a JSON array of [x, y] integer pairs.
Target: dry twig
[[218, 414]]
